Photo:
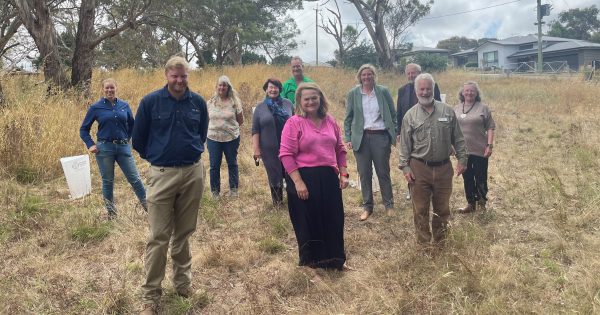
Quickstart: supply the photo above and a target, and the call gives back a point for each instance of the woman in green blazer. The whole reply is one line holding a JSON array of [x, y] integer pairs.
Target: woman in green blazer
[[370, 131]]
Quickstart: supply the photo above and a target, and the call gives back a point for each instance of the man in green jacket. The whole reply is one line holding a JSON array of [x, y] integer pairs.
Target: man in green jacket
[[290, 86]]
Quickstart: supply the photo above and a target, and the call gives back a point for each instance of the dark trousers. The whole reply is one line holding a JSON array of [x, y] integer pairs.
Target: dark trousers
[[475, 179], [318, 221], [432, 187], [216, 150]]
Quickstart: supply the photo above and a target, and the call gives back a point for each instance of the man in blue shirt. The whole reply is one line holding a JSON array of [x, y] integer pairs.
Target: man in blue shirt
[[170, 132]]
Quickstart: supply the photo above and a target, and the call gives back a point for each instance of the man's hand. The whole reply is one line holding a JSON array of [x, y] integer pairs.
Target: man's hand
[[460, 169], [398, 139], [349, 145], [93, 149]]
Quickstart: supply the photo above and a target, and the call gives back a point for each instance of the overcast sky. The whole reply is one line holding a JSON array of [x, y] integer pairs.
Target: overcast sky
[[494, 18]]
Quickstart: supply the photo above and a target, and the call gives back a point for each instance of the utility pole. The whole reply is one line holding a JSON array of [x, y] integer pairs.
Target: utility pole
[[540, 61], [317, 31], [542, 10]]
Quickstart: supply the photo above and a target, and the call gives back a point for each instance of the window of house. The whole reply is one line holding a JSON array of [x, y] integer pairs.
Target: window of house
[[490, 57], [525, 46]]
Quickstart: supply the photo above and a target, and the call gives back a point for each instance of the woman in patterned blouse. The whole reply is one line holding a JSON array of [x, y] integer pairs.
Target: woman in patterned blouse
[[226, 117]]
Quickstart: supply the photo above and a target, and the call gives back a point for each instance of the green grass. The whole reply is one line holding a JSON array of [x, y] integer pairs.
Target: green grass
[[270, 245], [86, 233]]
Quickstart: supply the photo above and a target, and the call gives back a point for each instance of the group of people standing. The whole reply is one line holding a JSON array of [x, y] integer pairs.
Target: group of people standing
[[300, 144]]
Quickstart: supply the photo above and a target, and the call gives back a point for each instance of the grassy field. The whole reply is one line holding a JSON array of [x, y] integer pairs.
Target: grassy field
[[536, 250]]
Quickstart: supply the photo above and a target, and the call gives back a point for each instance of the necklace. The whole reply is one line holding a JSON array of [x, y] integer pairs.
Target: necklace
[[464, 114]]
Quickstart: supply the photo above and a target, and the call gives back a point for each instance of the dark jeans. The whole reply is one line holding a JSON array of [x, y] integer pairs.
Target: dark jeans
[[475, 179], [215, 151]]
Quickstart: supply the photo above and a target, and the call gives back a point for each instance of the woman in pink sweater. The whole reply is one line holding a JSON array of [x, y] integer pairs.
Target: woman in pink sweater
[[314, 157]]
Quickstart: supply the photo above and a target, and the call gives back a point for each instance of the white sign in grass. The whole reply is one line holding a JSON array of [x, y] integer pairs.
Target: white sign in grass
[[77, 172]]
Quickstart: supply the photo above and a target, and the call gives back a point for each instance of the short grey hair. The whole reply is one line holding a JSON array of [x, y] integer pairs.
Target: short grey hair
[[413, 65], [364, 67], [297, 58], [424, 76], [461, 97]]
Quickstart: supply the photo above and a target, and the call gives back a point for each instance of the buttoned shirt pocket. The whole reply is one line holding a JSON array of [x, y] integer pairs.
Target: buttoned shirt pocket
[[420, 131], [192, 120], [161, 120]]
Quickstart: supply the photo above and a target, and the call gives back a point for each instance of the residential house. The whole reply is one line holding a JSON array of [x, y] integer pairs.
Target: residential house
[[508, 53]]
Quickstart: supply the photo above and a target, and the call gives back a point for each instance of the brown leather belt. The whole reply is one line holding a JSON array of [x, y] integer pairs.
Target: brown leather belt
[[433, 163]]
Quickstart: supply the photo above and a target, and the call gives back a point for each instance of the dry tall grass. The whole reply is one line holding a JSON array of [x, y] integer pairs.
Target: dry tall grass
[[536, 250]]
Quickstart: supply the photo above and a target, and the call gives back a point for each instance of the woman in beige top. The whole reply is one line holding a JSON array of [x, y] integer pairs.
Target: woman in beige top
[[477, 125], [226, 117]]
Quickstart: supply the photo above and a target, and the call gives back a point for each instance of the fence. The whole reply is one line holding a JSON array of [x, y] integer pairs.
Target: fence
[[531, 67]]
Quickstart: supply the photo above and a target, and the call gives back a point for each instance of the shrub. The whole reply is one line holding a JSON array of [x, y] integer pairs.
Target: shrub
[[471, 65], [431, 62]]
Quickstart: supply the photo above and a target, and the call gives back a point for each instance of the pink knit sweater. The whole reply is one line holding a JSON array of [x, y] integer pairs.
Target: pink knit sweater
[[305, 145]]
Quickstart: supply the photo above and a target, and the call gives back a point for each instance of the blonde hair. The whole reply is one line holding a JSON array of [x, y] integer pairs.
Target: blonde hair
[[109, 80], [364, 67], [323, 104], [231, 92], [177, 62]]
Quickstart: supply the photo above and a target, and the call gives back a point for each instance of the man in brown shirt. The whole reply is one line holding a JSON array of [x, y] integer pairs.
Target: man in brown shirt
[[429, 131]]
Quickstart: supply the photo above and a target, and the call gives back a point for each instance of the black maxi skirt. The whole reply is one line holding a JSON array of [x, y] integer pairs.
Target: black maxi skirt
[[318, 221]]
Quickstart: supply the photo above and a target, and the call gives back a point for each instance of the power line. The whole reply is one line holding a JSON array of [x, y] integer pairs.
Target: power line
[[463, 12]]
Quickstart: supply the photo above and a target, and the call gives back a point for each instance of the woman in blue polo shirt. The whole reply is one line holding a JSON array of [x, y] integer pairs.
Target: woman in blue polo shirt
[[115, 125]]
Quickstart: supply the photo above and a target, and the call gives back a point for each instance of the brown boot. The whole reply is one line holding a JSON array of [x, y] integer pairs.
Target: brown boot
[[481, 205], [471, 207]]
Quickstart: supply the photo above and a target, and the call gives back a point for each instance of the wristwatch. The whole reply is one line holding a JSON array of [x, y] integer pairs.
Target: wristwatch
[[490, 145]]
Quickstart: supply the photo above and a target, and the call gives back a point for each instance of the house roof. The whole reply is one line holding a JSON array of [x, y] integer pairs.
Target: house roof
[[428, 49], [466, 52], [526, 39], [568, 44]]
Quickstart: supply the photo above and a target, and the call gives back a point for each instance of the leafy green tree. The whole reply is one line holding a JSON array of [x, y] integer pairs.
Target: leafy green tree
[[229, 27], [249, 57], [431, 62], [457, 43], [387, 21], [281, 60], [576, 23], [359, 55]]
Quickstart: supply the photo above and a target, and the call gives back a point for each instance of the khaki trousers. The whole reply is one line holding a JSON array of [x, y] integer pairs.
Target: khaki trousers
[[433, 185], [173, 198]]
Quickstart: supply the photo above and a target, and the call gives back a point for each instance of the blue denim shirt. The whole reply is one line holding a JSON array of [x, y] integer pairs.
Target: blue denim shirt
[[170, 132], [114, 122]]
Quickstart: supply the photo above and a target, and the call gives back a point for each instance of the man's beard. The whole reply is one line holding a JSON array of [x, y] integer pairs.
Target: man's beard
[[425, 100]]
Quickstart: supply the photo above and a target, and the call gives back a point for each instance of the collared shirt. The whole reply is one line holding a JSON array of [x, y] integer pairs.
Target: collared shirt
[[289, 88], [371, 114], [170, 132], [223, 125], [431, 136], [115, 122]]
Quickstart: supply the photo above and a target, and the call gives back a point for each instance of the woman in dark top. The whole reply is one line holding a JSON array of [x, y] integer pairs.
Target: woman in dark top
[[267, 123], [115, 124]]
